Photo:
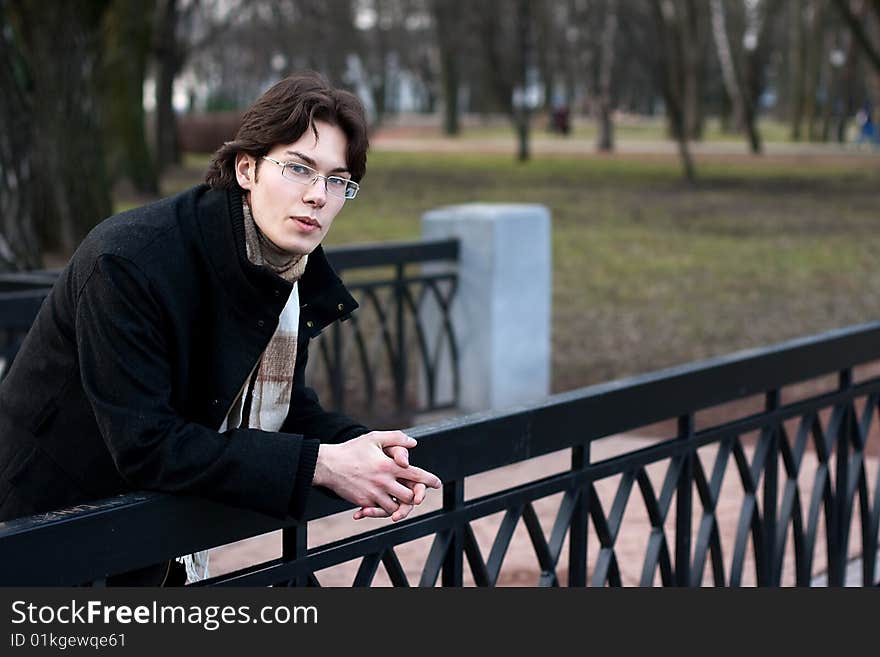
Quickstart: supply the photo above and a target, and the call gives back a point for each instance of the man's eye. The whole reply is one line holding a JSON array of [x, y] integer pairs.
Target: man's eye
[[299, 169], [335, 181]]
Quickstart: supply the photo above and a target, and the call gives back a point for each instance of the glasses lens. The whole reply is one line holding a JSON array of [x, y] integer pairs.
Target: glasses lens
[[338, 186], [335, 185], [299, 172], [351, 191]]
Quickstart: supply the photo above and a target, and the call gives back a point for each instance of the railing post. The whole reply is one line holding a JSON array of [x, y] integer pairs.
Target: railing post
[[453, 564], [839, 530], [684, 501], [335, 371], [501, 311], [769, 574], [402, 359], [577, 539], [337, 376], [295, 545]]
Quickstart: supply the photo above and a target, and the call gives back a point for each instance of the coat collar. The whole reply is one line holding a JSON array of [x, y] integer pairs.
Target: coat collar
[[255, 290]]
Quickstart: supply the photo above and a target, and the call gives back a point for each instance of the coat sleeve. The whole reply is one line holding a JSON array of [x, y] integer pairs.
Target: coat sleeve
[[126, 374]]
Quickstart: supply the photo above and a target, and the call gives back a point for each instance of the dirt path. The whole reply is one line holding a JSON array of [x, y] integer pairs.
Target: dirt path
[[410, 140]]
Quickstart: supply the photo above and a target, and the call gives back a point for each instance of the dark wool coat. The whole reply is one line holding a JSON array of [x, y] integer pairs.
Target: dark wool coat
[[139, 351]]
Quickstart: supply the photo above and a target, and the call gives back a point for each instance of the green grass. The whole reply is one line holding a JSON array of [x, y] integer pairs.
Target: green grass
[[650, 271]]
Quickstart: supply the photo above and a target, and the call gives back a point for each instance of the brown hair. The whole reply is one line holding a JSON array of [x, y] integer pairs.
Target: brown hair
[[283, 114]]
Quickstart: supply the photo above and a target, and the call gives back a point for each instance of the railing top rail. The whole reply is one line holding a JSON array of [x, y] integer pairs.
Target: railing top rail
[[392, 253], [452, 449], [342, 257], [18, 308]]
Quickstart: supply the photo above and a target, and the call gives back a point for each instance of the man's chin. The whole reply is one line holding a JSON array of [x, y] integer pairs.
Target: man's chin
[[300, 246]]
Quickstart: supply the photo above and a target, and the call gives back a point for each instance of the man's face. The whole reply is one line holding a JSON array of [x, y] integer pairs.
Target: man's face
[[296, 216]]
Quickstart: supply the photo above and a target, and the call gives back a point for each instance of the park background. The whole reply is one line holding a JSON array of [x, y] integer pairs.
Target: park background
[[709, 166], [713, 190]]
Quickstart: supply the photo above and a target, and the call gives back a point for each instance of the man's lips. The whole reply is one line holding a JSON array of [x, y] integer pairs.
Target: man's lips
[[307, 222]]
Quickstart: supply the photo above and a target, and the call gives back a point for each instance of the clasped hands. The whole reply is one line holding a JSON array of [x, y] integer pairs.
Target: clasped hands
[[373, 471]]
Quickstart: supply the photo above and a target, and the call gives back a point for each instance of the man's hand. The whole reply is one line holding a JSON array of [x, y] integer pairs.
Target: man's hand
[[401, 457], [361, 472]]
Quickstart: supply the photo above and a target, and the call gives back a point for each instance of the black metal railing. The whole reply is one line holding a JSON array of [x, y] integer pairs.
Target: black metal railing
[[401, 337], [385, 365], [21, 294], [730, 491]]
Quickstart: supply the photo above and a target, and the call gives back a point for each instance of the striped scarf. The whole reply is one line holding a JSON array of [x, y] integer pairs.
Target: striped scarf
[[265, 398]]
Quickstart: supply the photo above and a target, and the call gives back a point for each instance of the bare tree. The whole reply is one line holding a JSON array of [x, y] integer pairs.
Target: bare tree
[[857, 14], [19, 248], [743, 100], [61, 46], [126, 48], [182, 29], [605, 140], [449, 33], [670, 24]]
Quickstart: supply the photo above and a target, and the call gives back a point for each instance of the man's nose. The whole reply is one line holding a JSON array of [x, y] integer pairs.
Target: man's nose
[[316, 192]]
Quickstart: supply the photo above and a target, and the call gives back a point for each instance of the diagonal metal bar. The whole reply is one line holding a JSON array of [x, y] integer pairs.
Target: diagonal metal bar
[[436, 557], [502, 542], [539, 542], [367, 570], [395, 571], [475, 558]]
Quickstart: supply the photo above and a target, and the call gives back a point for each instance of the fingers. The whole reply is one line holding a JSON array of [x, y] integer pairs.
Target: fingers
[[387, 504], [392, 438], [402, 512], [399, 454], [419, 476], [370, 512], [402, 492], [419, 492]]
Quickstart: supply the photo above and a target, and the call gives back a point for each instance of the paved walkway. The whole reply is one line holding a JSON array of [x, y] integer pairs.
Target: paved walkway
[[520, 565], [542, 144]]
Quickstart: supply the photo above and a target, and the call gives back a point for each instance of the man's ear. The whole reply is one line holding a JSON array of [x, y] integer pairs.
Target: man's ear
[[245, 170]]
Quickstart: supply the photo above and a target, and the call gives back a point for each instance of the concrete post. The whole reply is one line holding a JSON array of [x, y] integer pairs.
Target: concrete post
[[501, 314]]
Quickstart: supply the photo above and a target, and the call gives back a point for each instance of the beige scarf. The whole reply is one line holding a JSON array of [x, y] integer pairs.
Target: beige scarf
[[265, 396]]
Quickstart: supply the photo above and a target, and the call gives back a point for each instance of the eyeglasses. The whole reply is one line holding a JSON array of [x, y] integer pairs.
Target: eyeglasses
[[306, 175]]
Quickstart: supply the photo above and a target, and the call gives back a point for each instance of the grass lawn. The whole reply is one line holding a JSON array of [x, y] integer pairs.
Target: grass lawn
[[648, 271]]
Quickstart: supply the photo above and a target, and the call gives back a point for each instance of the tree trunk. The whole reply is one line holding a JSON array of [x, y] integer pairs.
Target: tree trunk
[[813, 68], [799, 73], [725, 58], [167, 54], [857, 25], [692, 46], [19, 248], [672, 76], [127, 44], [521, 115], [606, 67], [62, 50], [447, 18]]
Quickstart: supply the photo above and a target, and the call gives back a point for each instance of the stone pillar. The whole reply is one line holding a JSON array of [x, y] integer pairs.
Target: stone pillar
[[501, 313]]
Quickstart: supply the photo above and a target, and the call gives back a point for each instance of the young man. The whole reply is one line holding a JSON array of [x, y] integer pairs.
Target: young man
[[170, 355]]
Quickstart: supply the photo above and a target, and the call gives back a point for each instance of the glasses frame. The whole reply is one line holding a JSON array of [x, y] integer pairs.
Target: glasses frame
[[350, 183]]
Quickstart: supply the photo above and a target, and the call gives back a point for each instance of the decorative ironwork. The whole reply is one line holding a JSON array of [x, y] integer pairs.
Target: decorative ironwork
[[800, 475], [401, 337]]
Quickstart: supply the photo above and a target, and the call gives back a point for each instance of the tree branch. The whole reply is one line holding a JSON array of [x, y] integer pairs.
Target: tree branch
[[855, 25]]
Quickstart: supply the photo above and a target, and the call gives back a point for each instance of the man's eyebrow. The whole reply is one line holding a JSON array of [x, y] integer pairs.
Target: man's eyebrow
[[305, 158]]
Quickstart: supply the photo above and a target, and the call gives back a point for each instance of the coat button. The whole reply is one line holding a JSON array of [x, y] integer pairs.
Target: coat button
[[215, 402], [310, 324], [277, 293], [340, 307], [261, 323]]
